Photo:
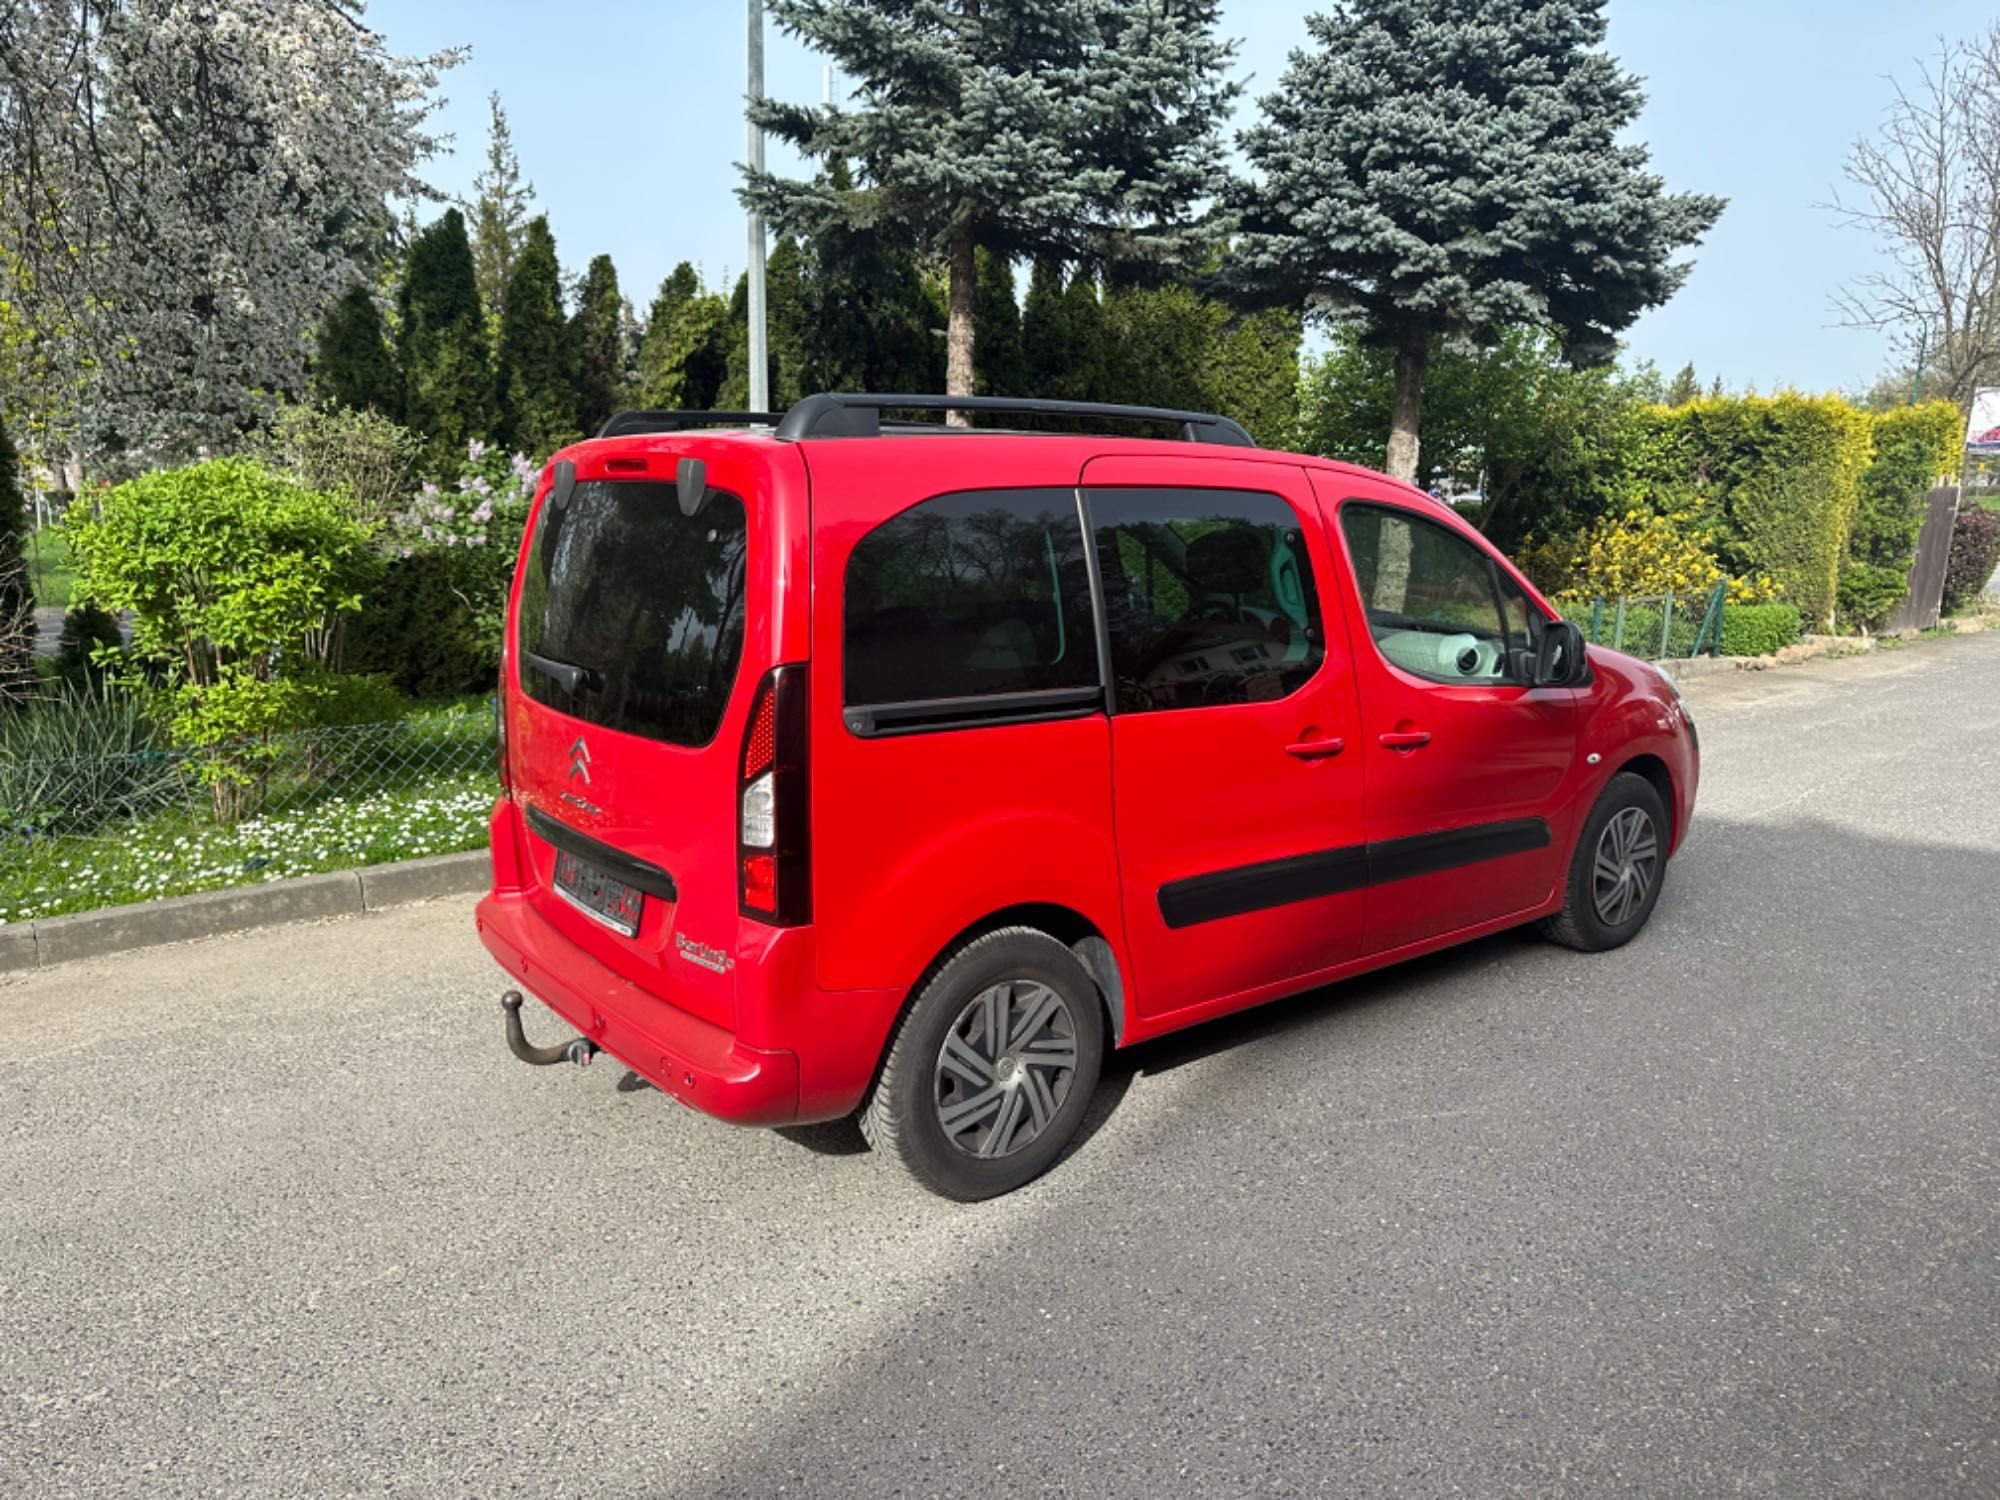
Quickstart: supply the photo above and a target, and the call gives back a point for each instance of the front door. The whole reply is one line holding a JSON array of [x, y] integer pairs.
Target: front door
[[1466, 763], [1236, 760]]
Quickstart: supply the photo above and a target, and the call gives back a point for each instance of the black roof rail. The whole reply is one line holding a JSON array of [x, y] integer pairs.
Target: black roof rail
[[831, 414], [631, 423]]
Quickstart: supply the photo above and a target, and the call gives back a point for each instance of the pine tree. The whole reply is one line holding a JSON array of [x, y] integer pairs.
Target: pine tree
[[1043, 354], [1083, 129], [1686, 387], [596, 338], [441, 344], [352, 367], [534, 380], [684, 356], [999, 366], [1448, 167], [17, 598], [499, 213]]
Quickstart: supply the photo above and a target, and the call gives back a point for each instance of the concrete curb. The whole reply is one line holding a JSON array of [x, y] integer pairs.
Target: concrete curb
[[309, 898]]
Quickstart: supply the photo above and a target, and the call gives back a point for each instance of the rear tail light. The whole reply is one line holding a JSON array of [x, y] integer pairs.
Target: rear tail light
[[774, 877]]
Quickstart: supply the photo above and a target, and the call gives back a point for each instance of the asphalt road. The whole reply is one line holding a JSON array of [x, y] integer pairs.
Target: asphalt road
[[1716, 1214]]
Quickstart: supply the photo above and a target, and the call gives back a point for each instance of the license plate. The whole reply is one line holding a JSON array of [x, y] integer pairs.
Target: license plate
[[597, 895]]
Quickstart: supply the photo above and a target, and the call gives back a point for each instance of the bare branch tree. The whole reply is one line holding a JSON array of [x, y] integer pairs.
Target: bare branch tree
[[1928, 186]]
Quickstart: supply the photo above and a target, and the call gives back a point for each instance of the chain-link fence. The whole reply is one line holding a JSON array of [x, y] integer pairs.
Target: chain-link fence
[[84, 831], [1655, 626]]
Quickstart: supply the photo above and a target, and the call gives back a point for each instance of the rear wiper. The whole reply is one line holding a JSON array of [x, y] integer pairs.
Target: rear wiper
[[566, 675]]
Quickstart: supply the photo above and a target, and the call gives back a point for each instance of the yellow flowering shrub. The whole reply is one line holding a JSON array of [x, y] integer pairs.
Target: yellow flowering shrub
[[1640, 553]]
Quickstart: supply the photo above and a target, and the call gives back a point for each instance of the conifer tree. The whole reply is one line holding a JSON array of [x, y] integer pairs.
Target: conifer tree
[[1686, 387], [534, 379], [441, 344], [352, 367], [684, 356], [1448, 167], [999, 366], [1083, 129], [596, 345], [499, 212]]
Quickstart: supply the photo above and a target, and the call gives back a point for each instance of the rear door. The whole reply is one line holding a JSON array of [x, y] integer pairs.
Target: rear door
[[1236, 762], [639, 637], [1466, 762]]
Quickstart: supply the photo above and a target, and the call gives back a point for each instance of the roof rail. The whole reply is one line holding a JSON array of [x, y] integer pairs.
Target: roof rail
[[845, 415], [631, 423]]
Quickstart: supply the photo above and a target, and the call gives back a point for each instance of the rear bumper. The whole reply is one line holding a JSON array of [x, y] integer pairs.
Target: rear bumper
[[698, 1063]]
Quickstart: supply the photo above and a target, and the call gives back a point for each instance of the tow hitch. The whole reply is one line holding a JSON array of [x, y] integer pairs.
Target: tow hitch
[[579, 1051]]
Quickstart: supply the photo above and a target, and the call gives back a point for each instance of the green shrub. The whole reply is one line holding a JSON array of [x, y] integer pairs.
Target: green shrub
[[90, 647], [230, 571], [1975, 553], [416, 629], [1914, 446], [76, 760], [1778, 479], [1758, 629], [346, 700]]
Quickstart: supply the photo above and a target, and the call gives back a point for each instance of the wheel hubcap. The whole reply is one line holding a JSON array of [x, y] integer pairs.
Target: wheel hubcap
[[1628, 858], [1005, 1068]]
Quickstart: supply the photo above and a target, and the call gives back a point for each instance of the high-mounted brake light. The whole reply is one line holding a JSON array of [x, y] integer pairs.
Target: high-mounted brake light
[[774, 877]]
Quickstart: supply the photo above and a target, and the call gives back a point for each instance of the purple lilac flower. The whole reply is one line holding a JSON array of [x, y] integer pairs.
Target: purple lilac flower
[[475, 450]]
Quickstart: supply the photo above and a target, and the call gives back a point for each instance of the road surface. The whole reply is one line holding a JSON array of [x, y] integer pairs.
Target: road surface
[[1716, 1214]]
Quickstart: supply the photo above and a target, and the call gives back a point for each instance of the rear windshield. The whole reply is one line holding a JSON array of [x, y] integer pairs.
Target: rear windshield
[[632, 613]]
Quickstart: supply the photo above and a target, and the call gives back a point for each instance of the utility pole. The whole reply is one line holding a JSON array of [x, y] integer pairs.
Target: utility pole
[[760, 363]]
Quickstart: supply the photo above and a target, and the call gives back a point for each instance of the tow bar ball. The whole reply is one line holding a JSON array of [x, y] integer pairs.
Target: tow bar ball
[[579, 1051]]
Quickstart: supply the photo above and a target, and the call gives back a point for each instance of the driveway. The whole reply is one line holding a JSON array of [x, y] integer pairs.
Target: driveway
[[1715, 1214]]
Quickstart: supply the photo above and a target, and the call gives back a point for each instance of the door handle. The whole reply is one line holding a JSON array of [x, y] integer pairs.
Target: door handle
[[1407, 739], [1315, 749]]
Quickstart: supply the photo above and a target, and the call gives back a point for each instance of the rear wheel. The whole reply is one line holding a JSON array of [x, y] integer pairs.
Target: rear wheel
[[992, 1069], [1615, 874]]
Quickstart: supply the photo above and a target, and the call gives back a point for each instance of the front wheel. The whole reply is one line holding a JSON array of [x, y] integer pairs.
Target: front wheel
[[1615, 875], [992, 1069]]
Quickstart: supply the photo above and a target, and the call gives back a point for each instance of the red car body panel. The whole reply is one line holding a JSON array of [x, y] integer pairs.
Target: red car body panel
[[918, 839]]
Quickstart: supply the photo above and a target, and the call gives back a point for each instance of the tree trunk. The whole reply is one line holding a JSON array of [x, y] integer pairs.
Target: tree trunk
[[1406, 408], [964, 273]]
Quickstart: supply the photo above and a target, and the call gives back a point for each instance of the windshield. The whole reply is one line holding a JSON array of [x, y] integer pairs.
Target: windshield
[[632, 613]]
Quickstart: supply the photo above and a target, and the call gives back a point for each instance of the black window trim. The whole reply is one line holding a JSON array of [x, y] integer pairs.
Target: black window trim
[[1509, 677], [1048, 705], [1097, 602], [870, 721]]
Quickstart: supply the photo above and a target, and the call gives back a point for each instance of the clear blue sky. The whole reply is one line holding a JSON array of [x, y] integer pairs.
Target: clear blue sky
[[627, 118]]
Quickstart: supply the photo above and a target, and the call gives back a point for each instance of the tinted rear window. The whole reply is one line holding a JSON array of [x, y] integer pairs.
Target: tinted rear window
[[970, 595], [646, 603]]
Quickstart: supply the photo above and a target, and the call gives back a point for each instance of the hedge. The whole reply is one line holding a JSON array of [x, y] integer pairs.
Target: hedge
[[1778, 479], [1758, 629], [1914, 446]]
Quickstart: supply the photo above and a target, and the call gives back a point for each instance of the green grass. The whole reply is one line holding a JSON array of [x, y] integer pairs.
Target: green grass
[[51, 568], [179, 851]]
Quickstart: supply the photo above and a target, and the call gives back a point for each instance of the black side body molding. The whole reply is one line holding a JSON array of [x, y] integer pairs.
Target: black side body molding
[[1351, 867]]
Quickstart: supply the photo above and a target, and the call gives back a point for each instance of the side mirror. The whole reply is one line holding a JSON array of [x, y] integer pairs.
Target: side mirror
[[1559, 655]]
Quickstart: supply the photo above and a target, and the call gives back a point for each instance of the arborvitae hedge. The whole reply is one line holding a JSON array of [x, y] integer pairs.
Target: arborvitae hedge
[[1778, 478]]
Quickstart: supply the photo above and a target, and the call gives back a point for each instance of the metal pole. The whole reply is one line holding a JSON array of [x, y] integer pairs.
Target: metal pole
[[760, 363]]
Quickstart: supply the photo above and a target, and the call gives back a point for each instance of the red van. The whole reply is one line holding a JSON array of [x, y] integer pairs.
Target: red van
[[852, 764]]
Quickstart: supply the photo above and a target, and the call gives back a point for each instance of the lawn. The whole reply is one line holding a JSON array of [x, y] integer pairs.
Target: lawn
[[175, 852], [50, 567], [105, 831]]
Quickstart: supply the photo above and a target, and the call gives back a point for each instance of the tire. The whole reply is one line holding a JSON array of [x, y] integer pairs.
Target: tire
[[969, 1106], [1628, 828]]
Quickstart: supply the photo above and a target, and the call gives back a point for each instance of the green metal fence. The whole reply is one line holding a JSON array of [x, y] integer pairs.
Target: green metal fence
[[81, 833], [1656, 626]]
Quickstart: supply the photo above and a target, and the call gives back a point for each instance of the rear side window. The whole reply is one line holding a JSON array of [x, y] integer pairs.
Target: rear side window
[[1209, 596], [632, 613], [984, 593]]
